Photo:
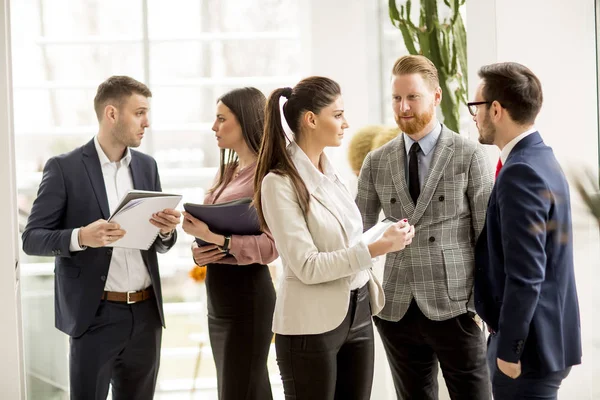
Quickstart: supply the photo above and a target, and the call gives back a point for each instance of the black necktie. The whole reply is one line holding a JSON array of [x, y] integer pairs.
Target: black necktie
[[413, 172]]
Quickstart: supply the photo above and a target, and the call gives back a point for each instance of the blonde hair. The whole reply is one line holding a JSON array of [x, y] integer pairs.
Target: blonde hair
[[367, 139], [415, 64], [361, 144], [385, 136]]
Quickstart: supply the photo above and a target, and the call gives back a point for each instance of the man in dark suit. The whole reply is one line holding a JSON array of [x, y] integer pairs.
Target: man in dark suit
[[108, 300], [524, 283]]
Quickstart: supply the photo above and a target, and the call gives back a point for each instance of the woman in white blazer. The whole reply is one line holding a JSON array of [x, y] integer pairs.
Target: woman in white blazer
[[322, 320]]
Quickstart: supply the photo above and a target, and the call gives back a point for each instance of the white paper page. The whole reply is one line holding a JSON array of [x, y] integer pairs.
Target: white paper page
[[376, 231], [135, 220]]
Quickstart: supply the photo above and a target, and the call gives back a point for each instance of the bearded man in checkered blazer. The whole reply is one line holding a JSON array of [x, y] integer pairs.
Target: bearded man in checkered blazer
[[441, 182]]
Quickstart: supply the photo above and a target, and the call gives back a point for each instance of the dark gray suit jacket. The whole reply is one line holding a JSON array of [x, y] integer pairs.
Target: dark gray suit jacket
[[72, 194]]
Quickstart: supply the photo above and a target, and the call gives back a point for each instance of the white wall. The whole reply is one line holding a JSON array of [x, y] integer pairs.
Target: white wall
[[12, 383], [341, 40], [556, 39]]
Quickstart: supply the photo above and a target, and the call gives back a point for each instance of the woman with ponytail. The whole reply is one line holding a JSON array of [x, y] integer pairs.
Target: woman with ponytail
[[239, 289], [322, 320]]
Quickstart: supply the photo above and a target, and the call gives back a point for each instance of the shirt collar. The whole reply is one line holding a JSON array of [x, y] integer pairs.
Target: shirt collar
[[311, 176], [511, 145], [427, 142], [125, 161]]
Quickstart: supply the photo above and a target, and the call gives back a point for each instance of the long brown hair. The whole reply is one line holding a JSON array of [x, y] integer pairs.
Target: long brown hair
[[310, 94], [248, 106]]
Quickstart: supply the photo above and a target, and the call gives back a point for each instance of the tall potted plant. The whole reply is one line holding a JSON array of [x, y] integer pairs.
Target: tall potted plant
[[444, 42]]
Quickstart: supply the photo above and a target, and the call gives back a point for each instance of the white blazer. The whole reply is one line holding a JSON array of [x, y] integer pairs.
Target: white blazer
[[318, 261]]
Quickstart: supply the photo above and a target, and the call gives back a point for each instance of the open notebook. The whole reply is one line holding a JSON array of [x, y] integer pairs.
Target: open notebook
[[133, 215]]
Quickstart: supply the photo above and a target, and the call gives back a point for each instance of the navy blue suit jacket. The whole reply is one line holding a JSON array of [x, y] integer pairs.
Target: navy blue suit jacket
[[72, 194], [524, 280]]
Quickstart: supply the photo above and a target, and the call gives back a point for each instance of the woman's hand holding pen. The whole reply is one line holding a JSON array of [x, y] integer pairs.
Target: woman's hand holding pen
[[204, 255], [193, 226]]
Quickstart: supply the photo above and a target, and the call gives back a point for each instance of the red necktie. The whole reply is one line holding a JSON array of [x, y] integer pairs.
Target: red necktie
[[498, 167]]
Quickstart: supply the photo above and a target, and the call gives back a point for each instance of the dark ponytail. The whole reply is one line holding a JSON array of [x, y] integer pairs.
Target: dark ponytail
[[273, 156], [310, 94]]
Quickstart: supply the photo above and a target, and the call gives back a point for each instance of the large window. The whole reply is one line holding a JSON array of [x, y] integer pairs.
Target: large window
[[189, 52], [392, 47]]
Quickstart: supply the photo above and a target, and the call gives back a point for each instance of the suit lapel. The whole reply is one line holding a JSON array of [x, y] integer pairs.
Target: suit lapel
[[326, 202], [441, 157], [397, 163], [91, 163], [137, 175]]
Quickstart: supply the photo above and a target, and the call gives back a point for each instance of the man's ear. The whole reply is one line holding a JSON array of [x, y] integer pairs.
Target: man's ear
[[438, 96], [111, 113], [496, 110]]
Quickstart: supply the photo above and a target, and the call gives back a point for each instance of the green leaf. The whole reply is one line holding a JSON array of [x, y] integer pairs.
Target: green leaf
[[455, 12], [408, 37], [393, 11], [453, 63], [460, 38], [425, 44]]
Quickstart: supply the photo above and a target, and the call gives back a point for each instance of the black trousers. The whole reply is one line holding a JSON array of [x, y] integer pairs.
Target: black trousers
[[532, 384], [122, 348], [415, 344], [241, 301], [333, 365]]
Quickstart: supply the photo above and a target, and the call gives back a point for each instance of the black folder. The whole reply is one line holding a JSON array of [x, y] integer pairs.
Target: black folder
[[237, 217]]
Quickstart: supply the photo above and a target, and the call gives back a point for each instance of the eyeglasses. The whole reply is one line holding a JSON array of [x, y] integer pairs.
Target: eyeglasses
[[473, 106]]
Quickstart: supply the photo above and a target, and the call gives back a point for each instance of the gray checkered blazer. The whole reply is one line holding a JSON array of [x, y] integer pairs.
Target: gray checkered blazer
[[437, 268]]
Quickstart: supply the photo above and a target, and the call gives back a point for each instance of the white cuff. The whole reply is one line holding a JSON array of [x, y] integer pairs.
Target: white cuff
[[74, 246], [165, 237]]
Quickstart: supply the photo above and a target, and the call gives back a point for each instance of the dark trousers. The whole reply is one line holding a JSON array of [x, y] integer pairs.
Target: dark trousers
[[333, 365], [415, 344], [241, 301], [532, 384], [121, 347]]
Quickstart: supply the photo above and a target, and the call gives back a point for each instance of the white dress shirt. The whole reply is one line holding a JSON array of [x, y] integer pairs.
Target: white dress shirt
[[340, 197], [127, 270], [511, 145]]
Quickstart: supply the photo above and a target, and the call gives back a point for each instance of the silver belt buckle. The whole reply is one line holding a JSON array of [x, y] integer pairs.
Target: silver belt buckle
[[129, 301]]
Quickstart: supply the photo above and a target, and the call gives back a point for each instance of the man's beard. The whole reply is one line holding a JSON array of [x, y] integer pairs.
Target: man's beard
[[417, 124], [487, 131], [120, 134]]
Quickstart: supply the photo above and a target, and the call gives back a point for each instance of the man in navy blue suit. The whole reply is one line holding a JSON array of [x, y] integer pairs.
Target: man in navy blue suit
[[525, 283], [108, 300]]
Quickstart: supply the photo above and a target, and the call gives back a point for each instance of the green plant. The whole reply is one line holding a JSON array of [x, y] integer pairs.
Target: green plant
[[590, 193], [444, 43]]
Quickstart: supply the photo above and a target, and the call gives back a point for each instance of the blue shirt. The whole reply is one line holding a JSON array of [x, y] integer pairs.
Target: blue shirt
[[427, 143]]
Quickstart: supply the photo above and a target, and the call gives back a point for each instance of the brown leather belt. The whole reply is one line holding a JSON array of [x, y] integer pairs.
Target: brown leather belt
[[129, 297]]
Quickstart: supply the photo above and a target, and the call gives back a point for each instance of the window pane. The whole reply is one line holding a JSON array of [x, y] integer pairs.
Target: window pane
[[53, 108], [90, 62], [76, 18]]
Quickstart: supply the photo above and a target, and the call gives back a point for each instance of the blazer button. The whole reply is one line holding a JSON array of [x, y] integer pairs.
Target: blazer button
[[392, 200], [441, 198], [432, 239], [109, 252], [103, 278]]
